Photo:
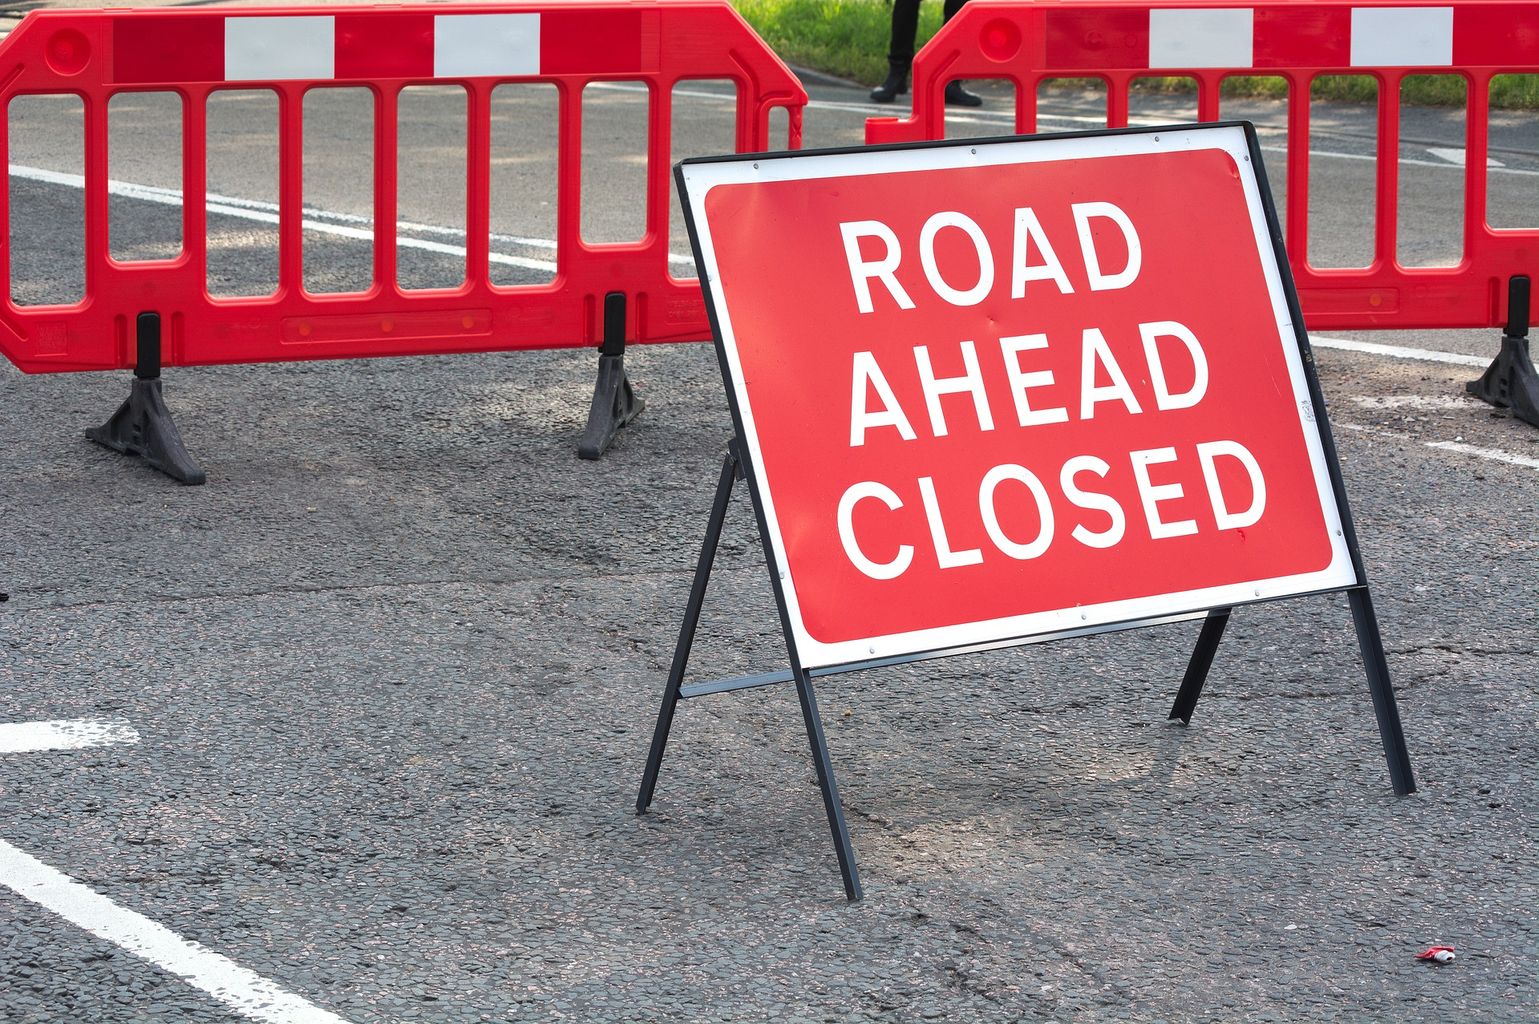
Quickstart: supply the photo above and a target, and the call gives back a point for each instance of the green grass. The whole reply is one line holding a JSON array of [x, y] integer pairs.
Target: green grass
[[849, 38]]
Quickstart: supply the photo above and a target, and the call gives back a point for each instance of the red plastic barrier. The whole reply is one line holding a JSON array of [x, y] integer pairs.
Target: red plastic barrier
[[1119, 42], [96, 55]]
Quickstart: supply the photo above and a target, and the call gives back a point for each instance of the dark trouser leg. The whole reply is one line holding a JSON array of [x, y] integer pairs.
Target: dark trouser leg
[[900, 51], [905, 28]]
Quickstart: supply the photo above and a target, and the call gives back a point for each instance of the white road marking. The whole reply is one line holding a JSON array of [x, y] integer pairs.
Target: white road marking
[[1456, 156], [64, 734], [1401, 352], [1489, 454], [1493, 454], [241, 990]]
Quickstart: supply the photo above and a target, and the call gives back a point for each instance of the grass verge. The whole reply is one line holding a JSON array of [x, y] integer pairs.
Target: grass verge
[[849, 38]]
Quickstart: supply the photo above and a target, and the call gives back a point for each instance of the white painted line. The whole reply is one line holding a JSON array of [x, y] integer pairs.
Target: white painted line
[[243, 991], [1406, 161], [1456, 156], [1401, 352], [1492, 454], [1489, 454], [64, 734]]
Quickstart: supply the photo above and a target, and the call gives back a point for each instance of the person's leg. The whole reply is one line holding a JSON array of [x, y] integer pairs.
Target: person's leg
[[900, 51], [955, 94]]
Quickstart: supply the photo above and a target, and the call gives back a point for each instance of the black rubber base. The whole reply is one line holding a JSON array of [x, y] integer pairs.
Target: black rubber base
[[614, 405], [143, 426], [1510, 381]]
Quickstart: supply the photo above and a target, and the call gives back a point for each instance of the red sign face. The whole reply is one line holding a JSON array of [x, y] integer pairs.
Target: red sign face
[[1017, 388]]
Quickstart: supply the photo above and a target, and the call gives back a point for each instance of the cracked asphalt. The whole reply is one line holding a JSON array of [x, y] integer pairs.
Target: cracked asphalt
[[394, 671]]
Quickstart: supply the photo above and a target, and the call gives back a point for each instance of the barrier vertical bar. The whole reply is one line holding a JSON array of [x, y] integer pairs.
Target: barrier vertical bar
[[95, 128], [1387, 181], [1297, 232], [5, 199], [291, 177], [386, 136], [659, 154], [195, 183], [1026, 105], [478, 184], [1117, 87], [1209, 89], [1477, 144], [569, 175]]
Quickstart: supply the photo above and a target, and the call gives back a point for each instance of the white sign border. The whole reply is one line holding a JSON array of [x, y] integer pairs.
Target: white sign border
[[699, 177]]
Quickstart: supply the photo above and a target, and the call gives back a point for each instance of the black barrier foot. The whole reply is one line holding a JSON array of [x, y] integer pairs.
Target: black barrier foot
[[614, 403], [143, 425], [1510, 382]]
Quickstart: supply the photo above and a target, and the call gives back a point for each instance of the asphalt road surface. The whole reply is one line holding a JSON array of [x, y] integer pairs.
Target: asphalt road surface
[[368, 711]]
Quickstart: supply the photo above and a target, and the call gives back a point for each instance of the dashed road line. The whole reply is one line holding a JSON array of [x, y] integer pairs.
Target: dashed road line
[[1488, 454], [243, 991], [64, 734], [1492, 454]]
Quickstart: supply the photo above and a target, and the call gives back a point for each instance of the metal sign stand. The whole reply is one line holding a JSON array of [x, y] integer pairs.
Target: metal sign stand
[[732, 468], [739, 465]]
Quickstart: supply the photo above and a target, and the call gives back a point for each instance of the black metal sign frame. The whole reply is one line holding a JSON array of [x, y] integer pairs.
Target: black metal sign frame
[[738, 465]]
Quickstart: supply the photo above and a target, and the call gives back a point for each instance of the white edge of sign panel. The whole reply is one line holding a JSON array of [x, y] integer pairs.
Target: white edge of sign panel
[[700, 178]]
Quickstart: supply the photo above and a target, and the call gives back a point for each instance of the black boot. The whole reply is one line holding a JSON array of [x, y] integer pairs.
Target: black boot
[[895, 86], [957, 96]]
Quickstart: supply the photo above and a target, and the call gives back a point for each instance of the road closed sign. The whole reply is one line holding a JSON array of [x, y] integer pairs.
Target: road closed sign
[[1006, 390]]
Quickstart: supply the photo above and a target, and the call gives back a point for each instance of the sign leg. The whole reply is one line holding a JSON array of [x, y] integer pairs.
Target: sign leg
[[830, 789], [729, 470], [1372, 646], [1197, 668]]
